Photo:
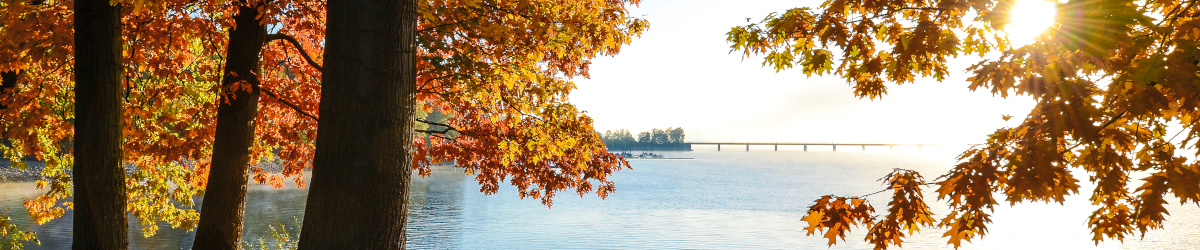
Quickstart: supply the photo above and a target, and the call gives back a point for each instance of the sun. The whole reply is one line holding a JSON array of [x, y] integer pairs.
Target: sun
[[1028, 19]]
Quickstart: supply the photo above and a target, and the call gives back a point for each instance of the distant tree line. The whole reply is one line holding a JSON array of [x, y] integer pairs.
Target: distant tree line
[[655, 139]]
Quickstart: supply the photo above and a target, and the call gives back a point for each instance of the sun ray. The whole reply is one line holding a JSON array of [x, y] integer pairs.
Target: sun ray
[[1028, 19]]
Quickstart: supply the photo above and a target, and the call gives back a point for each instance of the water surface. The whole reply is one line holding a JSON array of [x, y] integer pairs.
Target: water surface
[[728, 199]]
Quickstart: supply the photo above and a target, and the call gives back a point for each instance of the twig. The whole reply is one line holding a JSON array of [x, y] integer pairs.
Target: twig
[[447, 128], [296, 44], [289, 104], [1102, 127], [920, 8], [435, 123]]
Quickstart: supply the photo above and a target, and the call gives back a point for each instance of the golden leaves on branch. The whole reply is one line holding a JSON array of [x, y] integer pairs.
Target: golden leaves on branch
[[968, 190], [833, 216], [501, 71], [906, 213], [1109, 79]]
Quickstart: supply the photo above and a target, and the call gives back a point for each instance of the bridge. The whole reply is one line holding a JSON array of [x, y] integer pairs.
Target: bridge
[[835, 145]]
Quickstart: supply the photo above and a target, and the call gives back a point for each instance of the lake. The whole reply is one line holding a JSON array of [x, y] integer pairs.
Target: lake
[[728, 199]]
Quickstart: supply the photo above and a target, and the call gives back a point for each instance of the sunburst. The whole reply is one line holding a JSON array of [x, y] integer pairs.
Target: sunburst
[[1028, 19]]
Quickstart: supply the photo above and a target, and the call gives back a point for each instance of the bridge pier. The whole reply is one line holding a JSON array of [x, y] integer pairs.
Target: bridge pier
[[862, 146]]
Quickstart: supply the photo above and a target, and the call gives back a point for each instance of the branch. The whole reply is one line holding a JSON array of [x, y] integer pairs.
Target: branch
[[296, 44], [289, 104], [496, 8], [890, 188], [439, 26], [426, 83], [920, 8], [1184, 128], [426, 131], [444, 138], [443, 131], [8, 80], [1102, 127]]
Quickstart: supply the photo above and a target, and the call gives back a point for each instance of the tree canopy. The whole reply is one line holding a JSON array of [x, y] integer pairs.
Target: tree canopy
[[500, 70], [1109, 79]]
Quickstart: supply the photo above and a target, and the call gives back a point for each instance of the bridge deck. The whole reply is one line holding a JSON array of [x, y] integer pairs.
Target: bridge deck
[[806, 144]]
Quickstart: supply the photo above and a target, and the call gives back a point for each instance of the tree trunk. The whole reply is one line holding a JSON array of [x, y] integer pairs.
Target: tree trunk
[[8, 80], [361, 170], [99, 176], [224, 204]]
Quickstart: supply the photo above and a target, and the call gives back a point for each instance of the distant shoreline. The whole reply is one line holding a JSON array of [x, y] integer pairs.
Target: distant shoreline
[[652, 147]]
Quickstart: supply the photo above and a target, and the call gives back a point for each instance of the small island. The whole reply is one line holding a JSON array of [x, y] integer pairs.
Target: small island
[[670, 139]]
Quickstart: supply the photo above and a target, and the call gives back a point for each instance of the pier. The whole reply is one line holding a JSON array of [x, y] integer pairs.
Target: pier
[[835, 145]]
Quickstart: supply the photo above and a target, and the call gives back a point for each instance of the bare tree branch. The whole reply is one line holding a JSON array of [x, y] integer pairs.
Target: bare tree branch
[[295, 44], [447, 129], [289, 104]]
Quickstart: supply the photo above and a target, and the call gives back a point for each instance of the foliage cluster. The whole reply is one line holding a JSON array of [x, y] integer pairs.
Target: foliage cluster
[[1109, 79], [499, 71], [283, 240], [12, 237]]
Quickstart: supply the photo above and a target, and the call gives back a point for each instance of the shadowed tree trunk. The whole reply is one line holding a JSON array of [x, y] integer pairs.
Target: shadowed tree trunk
[[224, 204], [361, 170], [98, 174], [8, 81]]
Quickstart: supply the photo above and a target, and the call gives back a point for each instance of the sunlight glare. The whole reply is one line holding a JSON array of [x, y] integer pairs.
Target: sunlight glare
[[1028, 19]]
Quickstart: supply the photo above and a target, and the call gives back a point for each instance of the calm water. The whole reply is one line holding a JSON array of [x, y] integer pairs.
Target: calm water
[[728, 199]]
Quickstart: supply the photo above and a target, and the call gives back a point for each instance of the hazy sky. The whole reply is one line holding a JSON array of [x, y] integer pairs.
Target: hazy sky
[[680, 74]]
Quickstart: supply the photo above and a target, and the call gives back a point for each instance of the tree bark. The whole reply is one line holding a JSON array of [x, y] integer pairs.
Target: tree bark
[[361, 170], [99, 176], [224, 204], [8, 80]]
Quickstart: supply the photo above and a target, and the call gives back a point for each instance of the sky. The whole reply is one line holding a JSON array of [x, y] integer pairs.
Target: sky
[[680, 73]]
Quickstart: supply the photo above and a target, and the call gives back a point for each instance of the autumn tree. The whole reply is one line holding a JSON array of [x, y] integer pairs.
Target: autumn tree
[[175, 50], [500, 70], [34, 118], [359, 196], [98, 172], [225, 195], [234, 147], [1109, 78], [505, 87]]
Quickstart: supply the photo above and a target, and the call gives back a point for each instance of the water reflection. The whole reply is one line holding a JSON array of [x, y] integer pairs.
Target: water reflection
[[435, 210], [742, 200]]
